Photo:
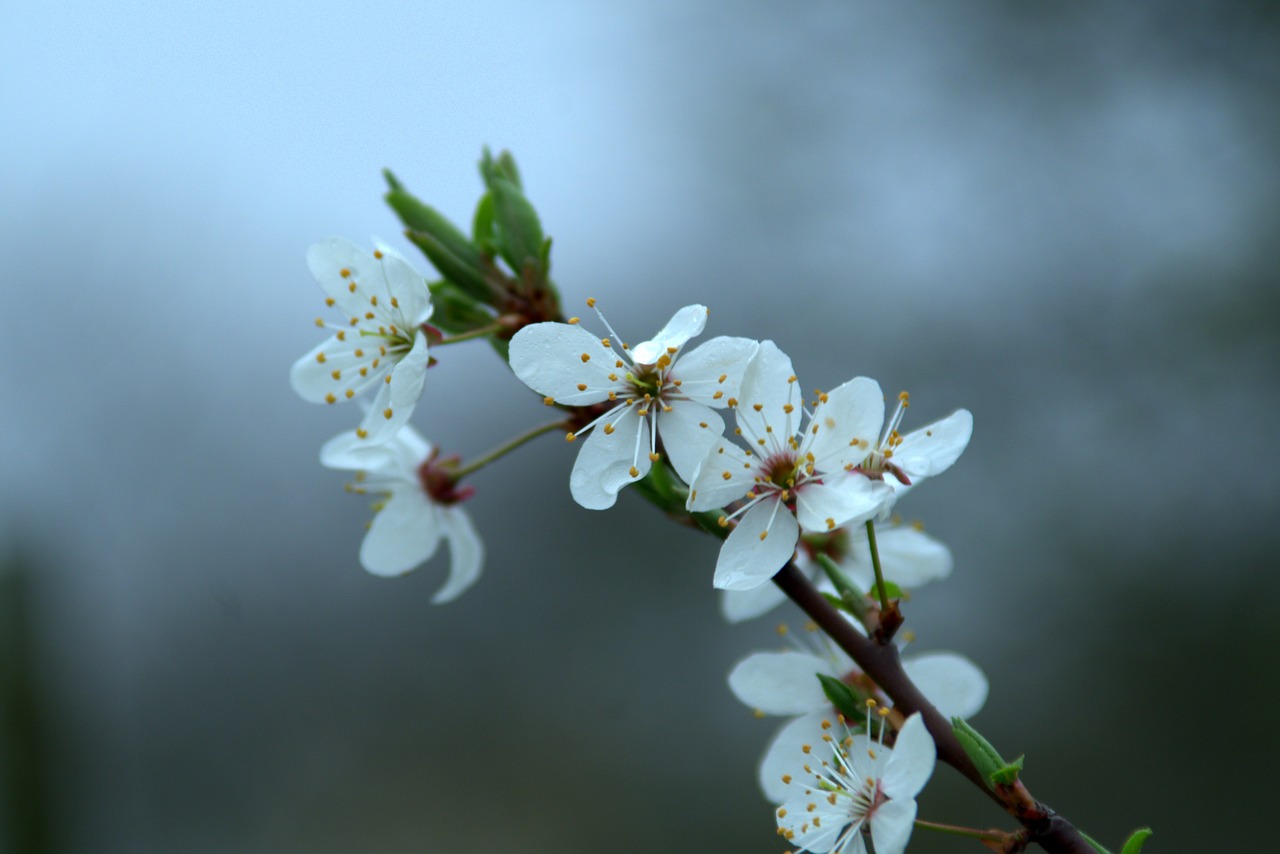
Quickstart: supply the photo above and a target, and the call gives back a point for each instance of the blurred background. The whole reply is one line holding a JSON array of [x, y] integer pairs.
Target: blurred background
[[1064, 217]]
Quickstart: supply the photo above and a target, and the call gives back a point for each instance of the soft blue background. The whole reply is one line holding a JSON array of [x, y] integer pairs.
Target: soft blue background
[[1064, 218]]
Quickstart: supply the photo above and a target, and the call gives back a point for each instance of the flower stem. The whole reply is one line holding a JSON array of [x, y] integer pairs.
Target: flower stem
[[875, 564], [480, 332], [503, 450], [955, 830]]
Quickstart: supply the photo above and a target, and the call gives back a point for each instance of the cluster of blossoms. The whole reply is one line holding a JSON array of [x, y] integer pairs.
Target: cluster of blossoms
[[382, 345], [803, 490]]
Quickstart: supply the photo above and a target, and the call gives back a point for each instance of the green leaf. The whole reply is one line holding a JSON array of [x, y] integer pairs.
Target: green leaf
[[506, 164], [984, 757], [841, 696], [419, 216], [453, 311], [518, 231], [392, 181], [1133, 845], [457, 270], [1008, 773], [482, 225]]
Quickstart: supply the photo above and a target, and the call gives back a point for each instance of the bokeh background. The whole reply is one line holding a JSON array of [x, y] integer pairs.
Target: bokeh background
[[1062, 216]]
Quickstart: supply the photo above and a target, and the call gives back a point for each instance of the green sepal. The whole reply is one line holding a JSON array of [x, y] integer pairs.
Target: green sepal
[[1133, 845], [841, 696], [985, 758], [1007, 774], [506, 164], [454, 311]]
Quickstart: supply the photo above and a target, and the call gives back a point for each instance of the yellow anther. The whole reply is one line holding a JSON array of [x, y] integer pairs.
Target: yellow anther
[[377, 253], [342, 335], [831, 799], [671, 351], [782, 629], [373, 300], [654, 457], [763, 534], [726, 475], [549, 401], [329, 398], [831, 523], [826, 724], [702, 424], [786, 778], [351, 287], [677, 383], [395, 303], [791, 378], [883, 711], [337, 375], [364, 372], [320, 322], [759, 713], [788, 408], [582, 386], [613, 378], [613, 395], [822, 397], [635, 472], [569, 437], [386, 413], [617, 363], [586, 357], [871, 703], [806, 749], [328, 301], [591, 302], [608, 429], [733, 401], [811, 808], [604, 342], [782, 813], [350, 393], [369, 315], [359, 354], [320, 358], [904, 398], [717, 395], [723, 521], [387, 379], [757, 406], [362, 433]]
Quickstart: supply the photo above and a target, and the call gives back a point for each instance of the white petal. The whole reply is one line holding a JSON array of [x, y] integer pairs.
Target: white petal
[[683, 325], [740, 605], [466, 554], [700, 369], [688, 433], [817, 837], [951, 682], [844, 499], [785, 755], [548, 358], [312, 377], [404, 534], [769, 386], [746, 559], [710, 489], [891, 825], [401, 281], [780, 683], [911, 764], [399, 457], [604, 463], [848, 424], [909, 557], [329, 258], [379, 427], [931, 450]]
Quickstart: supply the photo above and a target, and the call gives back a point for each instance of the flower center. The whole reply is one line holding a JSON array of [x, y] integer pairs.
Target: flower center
[[438, 481]]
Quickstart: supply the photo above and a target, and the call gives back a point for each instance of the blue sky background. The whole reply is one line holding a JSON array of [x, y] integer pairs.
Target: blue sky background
[[1063, 219]]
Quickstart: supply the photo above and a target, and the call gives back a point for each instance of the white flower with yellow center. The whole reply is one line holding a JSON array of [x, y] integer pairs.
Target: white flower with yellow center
[[379, 344], [864, 787], [786, 684], [650, 392], [791, 478], [418, 507]]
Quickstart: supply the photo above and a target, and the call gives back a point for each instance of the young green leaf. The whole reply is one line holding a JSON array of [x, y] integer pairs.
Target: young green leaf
[[1008, 773], [1133, 845], [985, 757], [841, 696]]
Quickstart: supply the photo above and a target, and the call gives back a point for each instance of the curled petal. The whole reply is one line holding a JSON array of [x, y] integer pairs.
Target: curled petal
[[931, 450], [771, 400], [848, 424], [844, 499], [466, 554], [683, 325], [911, 764], [700, 370], [604, 464]]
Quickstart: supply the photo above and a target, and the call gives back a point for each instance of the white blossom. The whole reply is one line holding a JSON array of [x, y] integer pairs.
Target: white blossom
[[863, 787], [649, 392], [379, 343], [418, 507]]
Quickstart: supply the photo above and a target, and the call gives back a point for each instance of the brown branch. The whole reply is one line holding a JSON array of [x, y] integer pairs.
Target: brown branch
[[881, 662]]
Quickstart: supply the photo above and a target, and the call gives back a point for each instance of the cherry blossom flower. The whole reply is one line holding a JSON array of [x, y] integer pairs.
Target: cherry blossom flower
[[792, 478], [380, 343], [863, 787], [786, 684], [418, 507], [909, 558], [647, 392]]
